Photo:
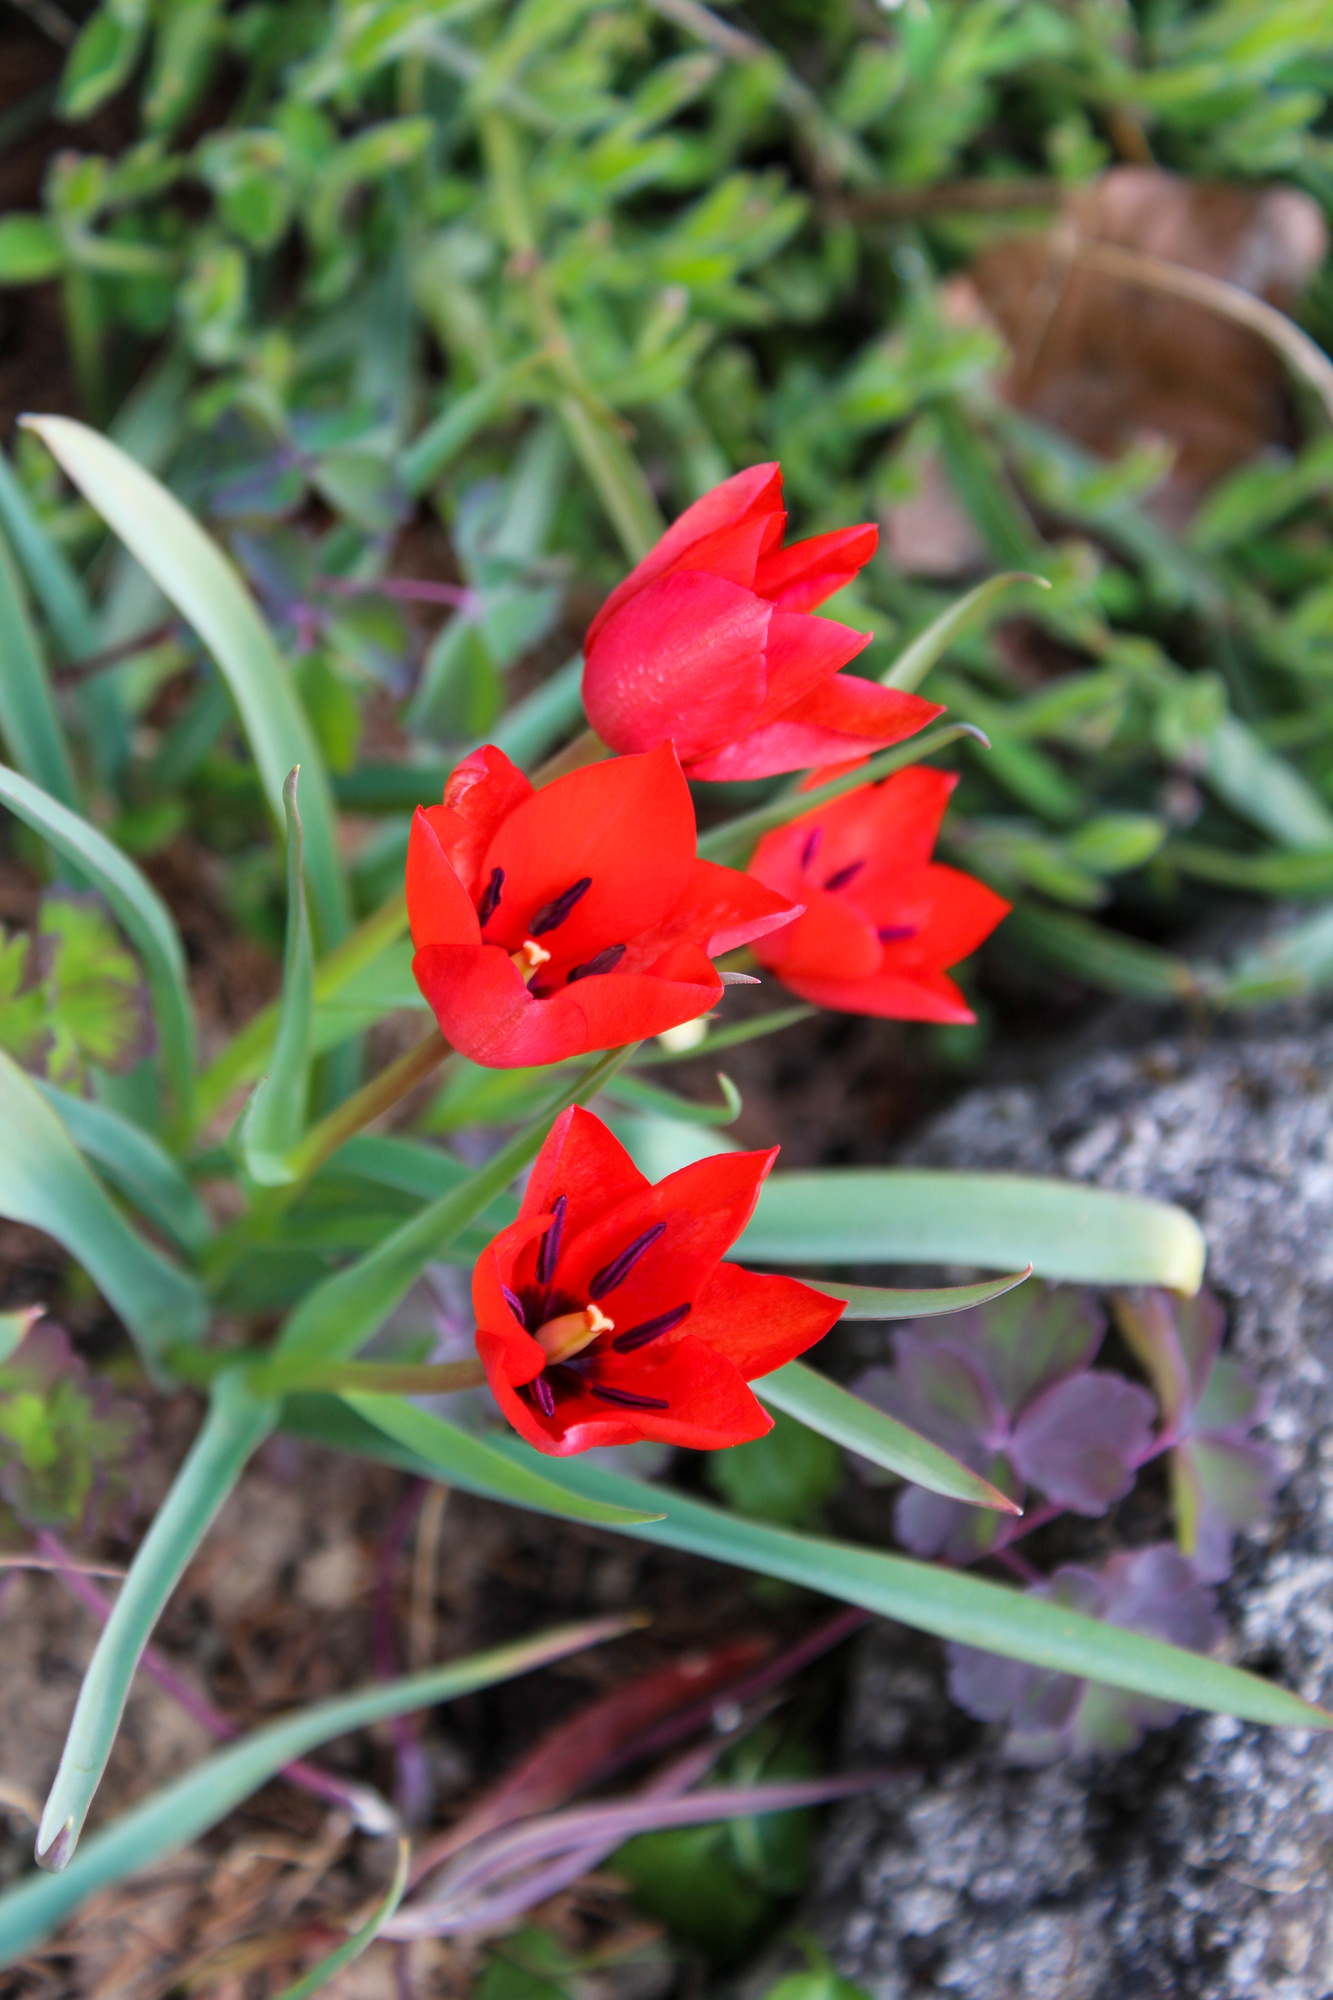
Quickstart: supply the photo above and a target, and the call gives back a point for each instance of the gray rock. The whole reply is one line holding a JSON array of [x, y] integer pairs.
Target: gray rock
[[1198, 1869]]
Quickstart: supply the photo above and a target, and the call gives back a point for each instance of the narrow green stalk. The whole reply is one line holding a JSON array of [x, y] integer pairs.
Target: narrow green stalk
[[375, 1378], [367, 1104], [737, 836], [236, 1424]]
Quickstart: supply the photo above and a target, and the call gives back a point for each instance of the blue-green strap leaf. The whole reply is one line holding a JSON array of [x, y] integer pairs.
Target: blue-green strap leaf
[[193, 573], [275, 1117], [29, 720], [136, 1164], [137, 908], [835, 1413], [909, 1215], [45, 1182], [182, 1811], [461, 1458]]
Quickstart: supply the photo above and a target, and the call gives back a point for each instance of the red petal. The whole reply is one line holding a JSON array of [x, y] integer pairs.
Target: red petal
[[915, 996], [757, 490], [801, 654], [586, 1163], [862, 715], [627, 823], [732, 552], [709, 1405], [618, 1007], [681, 659], [760, 1323], [953, 912], [718, 909], [482, 791], [704, 1206], [802, 576], [493, 1270], [439, 909], [833, 937], [486, 1012]]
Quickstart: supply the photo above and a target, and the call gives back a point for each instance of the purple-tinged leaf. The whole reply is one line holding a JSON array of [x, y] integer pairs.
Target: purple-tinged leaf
[[1221, 1486], [1154, 1591], [939, 1391], [1222, 1481], [1083, 1440], [929, 1525], [1032, 1337]]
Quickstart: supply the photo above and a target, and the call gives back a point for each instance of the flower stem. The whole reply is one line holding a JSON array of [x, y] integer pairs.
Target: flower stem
[[367, 1104]]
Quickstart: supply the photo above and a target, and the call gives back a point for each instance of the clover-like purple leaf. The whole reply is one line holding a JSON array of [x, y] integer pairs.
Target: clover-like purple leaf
[[1222, 1480], [1030, 1338], [1154, 1591], [1083, 1440]]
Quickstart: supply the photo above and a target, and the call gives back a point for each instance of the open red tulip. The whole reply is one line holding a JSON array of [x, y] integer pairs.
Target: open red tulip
[[882, 920], [550, 923], [605, 1313], [709, 643]]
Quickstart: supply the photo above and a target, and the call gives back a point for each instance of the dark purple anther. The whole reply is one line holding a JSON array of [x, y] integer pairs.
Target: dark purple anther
[[550, 1249], [605, 961], [814, 840], [616, 1272], [552, 914], [842, 876], [625, 1400], [490, 900], [515, 1305], [895, 933], [648, 1329], [542, 1396]]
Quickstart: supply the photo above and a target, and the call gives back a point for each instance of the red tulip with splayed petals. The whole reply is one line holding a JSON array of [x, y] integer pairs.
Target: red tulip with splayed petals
[[550, 923], [605, 1313], [882, 920], [709, 643]]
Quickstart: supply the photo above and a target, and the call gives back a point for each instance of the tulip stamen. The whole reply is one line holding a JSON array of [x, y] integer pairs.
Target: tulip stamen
[[528, 957], [550, 1249], [896, 933], [551, 915], [571, 1333], [616, 1272], [626, 1400], [842, 876], [543, 1395], [605, 961], [649, 1329], [490, 897], [814, 840]]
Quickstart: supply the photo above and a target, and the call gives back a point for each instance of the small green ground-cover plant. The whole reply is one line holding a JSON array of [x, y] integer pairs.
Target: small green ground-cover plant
[[333, 1225]]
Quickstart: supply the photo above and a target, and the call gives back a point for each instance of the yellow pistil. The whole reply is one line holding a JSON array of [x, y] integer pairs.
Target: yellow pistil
[[572, 1332], [528, 957]]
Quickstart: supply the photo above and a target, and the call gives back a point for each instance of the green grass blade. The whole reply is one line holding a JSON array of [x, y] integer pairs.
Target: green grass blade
[[459, 1458], [319, 1975], [136, 1164], [182, 1811], [735, 837], [334, 1319], [948, 1603], [276, 1114], [823, 1406], [193, 573], [236, 1424], [915, 661], [888, 1302], [45, 1182], [908, 1215], [29, 720], [137, 908], [1103, 958], [1266, 789]]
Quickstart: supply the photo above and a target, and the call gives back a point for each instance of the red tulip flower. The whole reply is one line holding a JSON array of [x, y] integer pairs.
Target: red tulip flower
[[882, 920], [549, 923], [605, 1314], [709, 643]]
